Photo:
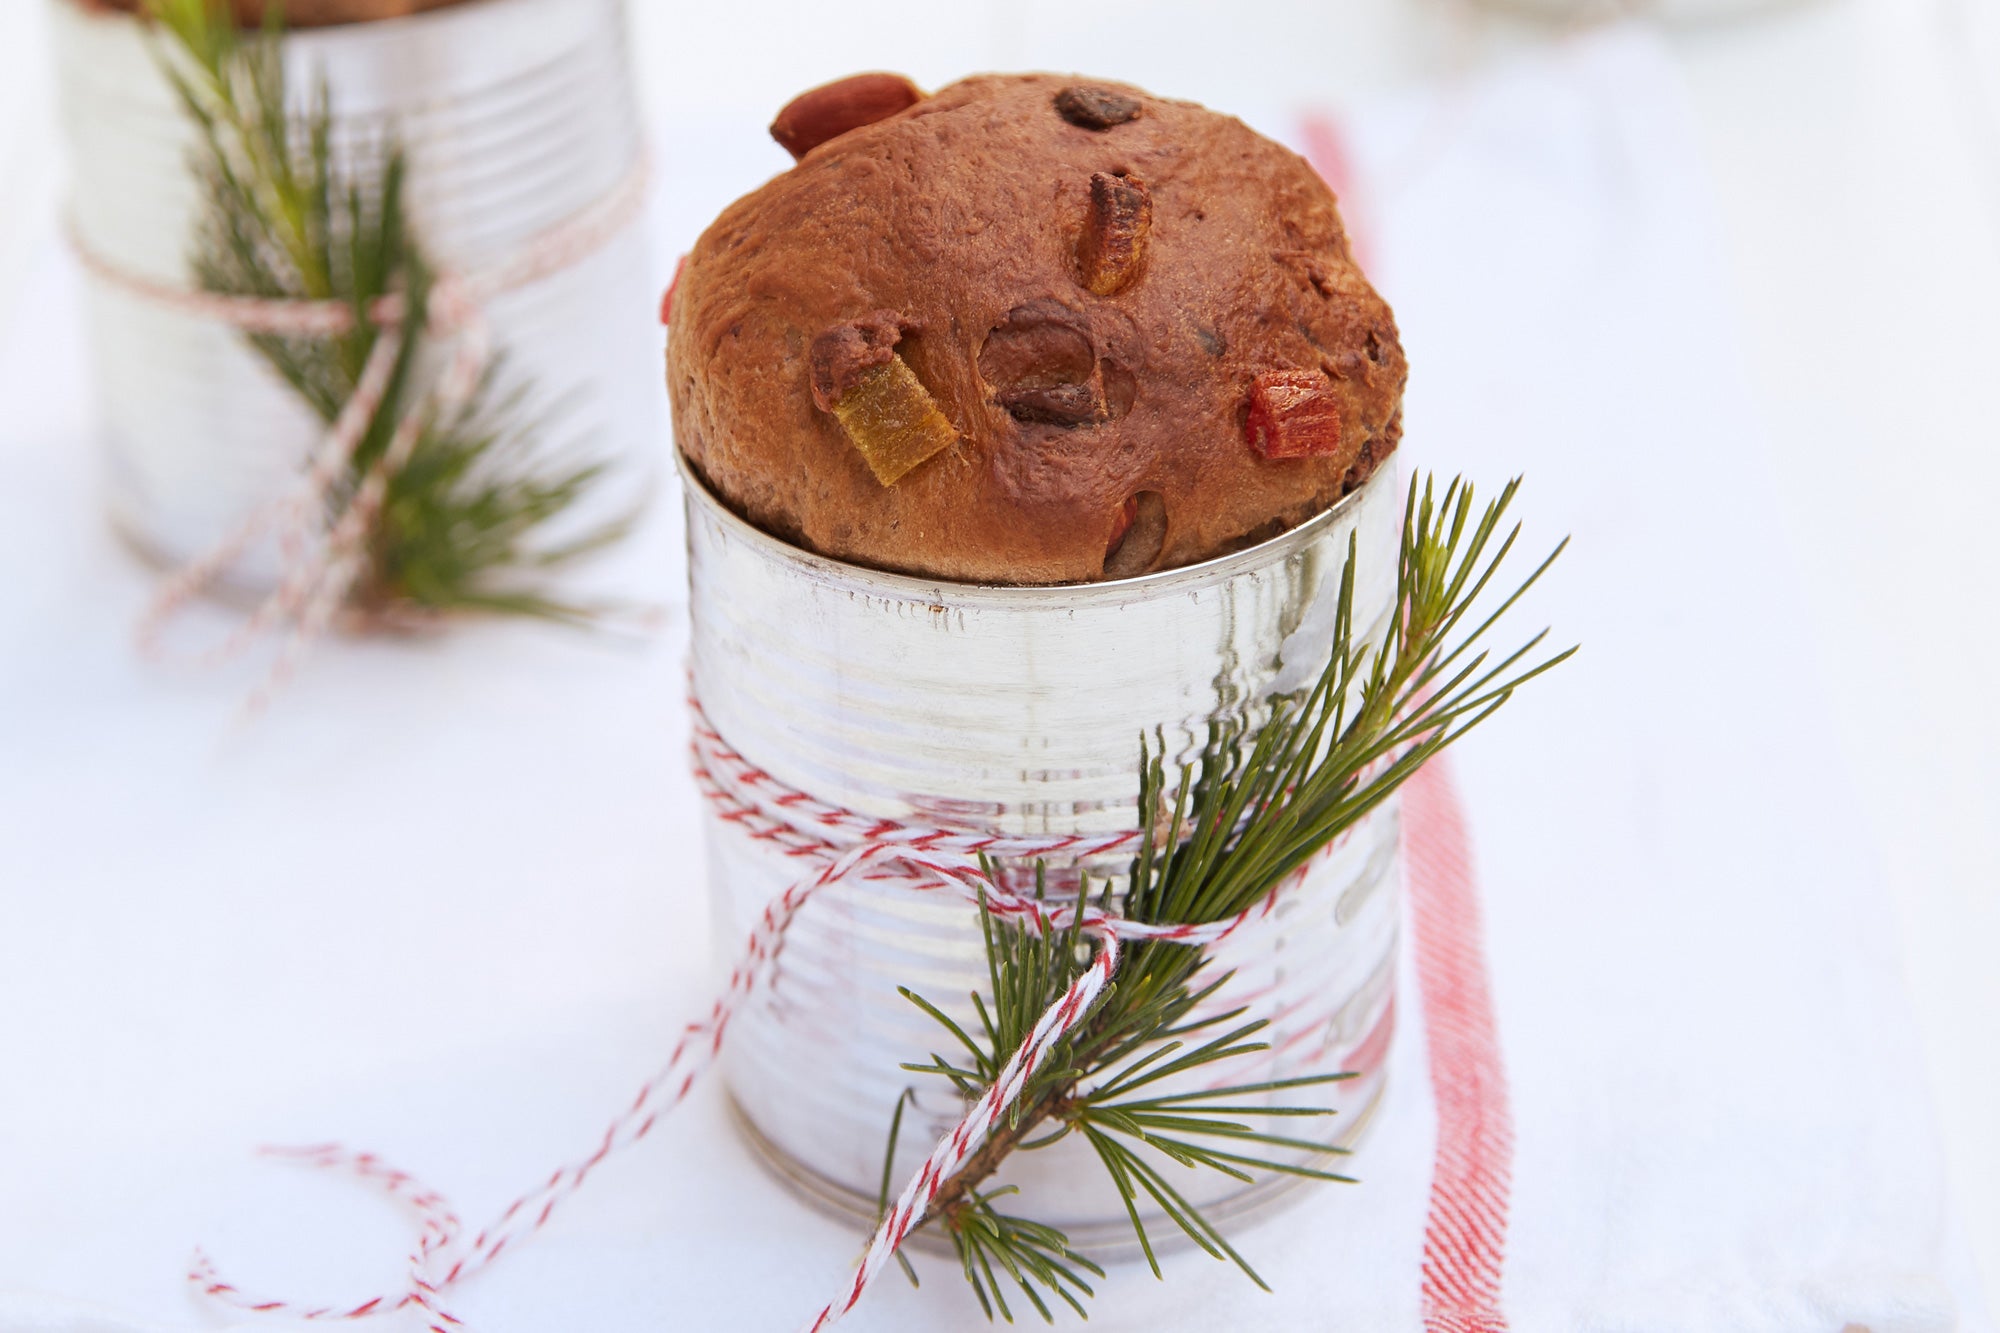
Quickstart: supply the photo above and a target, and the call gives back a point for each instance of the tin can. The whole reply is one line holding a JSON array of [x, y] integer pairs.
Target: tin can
[[515, 115], [1018, 711]]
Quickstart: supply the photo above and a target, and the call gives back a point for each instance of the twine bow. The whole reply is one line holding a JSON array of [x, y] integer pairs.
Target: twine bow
[[834, 845], [323, 545]]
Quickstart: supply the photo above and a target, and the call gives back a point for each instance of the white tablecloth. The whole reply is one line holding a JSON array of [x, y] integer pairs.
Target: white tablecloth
[[444, 900]]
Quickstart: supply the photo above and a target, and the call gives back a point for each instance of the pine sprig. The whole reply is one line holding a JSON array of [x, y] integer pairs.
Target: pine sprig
[[1036, 1258], [1235, 823], [286, 218]]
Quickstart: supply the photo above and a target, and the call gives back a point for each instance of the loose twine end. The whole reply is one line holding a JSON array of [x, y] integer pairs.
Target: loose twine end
[[835, 845]]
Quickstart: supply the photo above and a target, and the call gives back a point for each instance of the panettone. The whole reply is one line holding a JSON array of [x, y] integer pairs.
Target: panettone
[[1029, 329]]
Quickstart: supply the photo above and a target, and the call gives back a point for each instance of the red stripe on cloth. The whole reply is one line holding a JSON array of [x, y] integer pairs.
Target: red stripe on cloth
[[1326, 150], [1465, 1235]]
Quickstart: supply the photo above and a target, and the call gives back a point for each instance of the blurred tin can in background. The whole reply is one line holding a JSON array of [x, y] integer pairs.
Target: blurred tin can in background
[[516, 116], [1670, 11], [1018, 712]]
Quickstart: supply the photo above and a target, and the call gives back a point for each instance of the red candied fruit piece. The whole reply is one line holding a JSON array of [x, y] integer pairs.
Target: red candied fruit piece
[[667, 301], [1293, 414], [1124, 524]]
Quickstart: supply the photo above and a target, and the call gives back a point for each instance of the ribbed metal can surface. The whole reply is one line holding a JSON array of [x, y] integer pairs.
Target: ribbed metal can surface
[[515, 115], [1018, 711]]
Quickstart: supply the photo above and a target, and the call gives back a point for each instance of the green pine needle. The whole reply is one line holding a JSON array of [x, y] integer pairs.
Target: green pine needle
[[462, 525], [1245, 815]]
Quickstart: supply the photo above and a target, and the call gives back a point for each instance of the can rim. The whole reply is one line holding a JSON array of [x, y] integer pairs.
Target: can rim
[[942, 591]]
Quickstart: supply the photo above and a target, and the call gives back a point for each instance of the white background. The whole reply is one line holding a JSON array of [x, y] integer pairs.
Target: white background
[[1855, 147]]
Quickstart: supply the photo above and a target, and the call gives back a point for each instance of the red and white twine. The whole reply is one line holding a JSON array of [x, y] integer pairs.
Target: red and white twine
[[1464, 1250], [1466, 1233], [832, 845], [323, 546]]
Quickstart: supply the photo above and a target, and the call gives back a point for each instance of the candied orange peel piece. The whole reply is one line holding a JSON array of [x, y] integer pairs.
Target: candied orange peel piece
[[888, 414], [892, 419], [1112, 248]]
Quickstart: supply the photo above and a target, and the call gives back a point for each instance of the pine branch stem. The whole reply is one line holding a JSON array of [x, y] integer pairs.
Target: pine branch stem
[[1247, 814], [999, 1146]]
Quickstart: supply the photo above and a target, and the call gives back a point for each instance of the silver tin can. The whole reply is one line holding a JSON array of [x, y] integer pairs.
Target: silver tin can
[[1016, 711], [516, 115]]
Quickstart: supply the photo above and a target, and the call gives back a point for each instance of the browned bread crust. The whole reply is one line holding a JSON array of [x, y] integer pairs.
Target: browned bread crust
[[1101, 387]]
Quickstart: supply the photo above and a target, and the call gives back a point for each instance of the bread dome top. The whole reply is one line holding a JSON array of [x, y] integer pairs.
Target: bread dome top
[[1029, 329]]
